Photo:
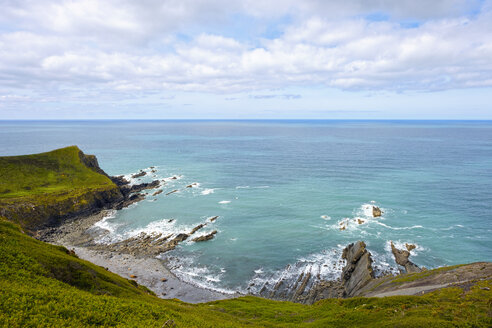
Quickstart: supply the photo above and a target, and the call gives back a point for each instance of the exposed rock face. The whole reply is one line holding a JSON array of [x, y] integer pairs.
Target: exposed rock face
[[358, 271], [126, 189], [401, 258], [205, 237], [376, 211]]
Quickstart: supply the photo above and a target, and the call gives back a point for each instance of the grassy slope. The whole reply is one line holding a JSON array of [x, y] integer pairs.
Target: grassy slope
[[56, 183], [44, 285], [50, 173]]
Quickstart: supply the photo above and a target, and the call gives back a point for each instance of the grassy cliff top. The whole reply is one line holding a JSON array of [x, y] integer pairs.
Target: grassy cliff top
[[53, 173]]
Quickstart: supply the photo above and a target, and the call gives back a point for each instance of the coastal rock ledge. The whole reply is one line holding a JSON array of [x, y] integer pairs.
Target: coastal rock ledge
[[358, 279]]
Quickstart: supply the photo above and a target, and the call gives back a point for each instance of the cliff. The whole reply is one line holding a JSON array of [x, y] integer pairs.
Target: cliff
[[41, 190]]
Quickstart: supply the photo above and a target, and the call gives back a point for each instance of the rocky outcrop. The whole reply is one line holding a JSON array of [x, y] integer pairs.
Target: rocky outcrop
[[157, 192], [401, 258], [358, 272], [205, 237], [376, 211], [128, 189], [139, 174]]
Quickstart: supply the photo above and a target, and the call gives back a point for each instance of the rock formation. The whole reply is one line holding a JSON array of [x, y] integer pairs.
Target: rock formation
[[376, 211], [139, 174], [401, 258], [358, 271], [205, 237]]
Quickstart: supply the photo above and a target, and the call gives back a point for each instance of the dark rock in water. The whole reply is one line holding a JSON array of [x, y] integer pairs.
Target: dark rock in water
[[409, 247], [358, 271], [198, 227], [376, 211], [139, 187], [194, 184], [401, 258], [212, 219], [180, 237], [206, 237], [172, 192], [139, 174], [129, 200], [157, 192]]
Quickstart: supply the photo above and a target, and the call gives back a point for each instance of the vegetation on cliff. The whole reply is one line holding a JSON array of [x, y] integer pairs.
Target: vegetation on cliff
[[41, 189]]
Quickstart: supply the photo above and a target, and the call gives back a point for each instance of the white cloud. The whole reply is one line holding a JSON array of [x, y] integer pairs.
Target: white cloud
[[126, 45]]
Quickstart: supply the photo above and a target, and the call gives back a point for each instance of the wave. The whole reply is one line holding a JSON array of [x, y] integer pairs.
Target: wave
[[224, 202], [207, 191], [202, 276]]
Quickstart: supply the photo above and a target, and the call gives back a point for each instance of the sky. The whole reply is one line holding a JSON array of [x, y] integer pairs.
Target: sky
[[245, 59]]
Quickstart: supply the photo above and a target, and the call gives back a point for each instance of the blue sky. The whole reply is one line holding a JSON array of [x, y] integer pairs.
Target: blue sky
[[357, 59]]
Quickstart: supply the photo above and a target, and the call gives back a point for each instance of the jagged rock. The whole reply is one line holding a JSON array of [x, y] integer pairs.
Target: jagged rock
[[212, 219], [172, 192], [401, 258], [181, 237], [409, 247], [129, 200], [139, 187], [376, 211], [157, 192], [138, 175], [206, 237], [198, 227], [358, 271], [119, 180]]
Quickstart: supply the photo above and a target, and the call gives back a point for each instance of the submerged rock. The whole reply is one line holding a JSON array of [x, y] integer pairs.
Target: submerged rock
[[172, 192]]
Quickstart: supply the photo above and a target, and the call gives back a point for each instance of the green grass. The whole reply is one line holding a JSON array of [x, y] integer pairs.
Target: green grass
[[43, 285], [54, 172], [37, 188]]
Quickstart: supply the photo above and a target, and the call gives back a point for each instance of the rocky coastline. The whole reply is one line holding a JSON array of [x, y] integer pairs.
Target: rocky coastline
[[136, 257]]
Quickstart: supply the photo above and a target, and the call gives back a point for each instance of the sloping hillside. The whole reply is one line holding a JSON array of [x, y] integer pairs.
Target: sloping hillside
[[45, 285], [40, 190]]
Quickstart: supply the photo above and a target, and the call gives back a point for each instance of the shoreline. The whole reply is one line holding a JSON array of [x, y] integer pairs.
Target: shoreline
[[148, 271]]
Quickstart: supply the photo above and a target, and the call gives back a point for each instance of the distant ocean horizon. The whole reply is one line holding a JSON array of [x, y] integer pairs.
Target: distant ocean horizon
[[283, 189]]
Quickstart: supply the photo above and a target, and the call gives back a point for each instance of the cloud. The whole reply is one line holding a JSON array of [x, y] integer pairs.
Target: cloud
[[116, 47]]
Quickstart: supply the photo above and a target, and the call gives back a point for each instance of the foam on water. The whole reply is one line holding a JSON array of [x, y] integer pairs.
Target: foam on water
[[207, 191], [224, 202]]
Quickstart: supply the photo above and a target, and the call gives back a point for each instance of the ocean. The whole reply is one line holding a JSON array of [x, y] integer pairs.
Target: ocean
[[283, 189]]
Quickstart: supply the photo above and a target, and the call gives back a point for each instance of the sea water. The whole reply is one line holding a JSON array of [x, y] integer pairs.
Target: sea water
[[283, 189]]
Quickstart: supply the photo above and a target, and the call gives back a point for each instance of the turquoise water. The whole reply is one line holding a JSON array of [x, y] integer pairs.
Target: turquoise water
[[282, 189]]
